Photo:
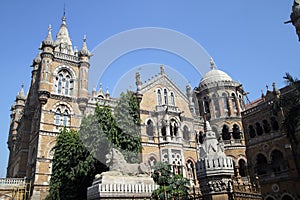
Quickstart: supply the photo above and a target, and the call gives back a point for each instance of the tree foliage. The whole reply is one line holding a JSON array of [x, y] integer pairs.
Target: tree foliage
[[73, 168], [290, 104], [128, 123], [79, 156], [170, 186]]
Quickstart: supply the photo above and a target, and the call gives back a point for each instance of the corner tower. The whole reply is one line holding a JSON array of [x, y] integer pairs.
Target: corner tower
[[220, 99], [57, 98]]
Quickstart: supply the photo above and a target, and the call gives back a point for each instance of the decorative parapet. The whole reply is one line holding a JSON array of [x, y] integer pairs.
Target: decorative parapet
[[214, 166], [12, 181], [66, 57]]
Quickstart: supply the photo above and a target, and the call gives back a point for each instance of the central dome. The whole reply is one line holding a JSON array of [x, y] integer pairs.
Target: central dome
[[214, 75]]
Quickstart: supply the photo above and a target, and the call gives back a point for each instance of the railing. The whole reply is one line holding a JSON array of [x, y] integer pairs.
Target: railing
[[66, 56], [12, 181]]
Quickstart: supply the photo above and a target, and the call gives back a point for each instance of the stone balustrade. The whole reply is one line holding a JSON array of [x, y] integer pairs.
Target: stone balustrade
[[12, 181]]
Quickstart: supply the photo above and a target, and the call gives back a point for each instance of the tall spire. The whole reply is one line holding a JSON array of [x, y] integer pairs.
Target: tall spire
[[63, 42]]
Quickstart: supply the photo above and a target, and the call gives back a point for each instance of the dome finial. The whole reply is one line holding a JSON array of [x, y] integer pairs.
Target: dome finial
[[212, 64]]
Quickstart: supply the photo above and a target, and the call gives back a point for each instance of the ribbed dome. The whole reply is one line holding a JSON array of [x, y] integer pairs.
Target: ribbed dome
[[214, 75]]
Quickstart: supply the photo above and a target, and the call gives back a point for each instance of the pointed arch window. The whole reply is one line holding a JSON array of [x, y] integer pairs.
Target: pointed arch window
[[216, 105], [261, 166], [64, 83], [172, 99], [234, 106], [66, 118], [165, 96], [225, 133], [62, 116], [242, 168], [57, 116], [67, 84], [186, 134], [236, 133], [59, 87], [150, 129], [225, 104], [159, 97]]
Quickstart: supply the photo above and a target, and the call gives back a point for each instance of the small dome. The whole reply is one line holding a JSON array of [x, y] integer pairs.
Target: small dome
[[215, 75]]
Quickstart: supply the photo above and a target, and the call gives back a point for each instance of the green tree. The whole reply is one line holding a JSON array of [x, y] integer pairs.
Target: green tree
[[170, 186], [128, 123], [73, 168], [289, 104]]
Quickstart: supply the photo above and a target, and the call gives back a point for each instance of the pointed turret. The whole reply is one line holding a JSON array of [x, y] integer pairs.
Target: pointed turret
[[63, 42], [84, 50], [21, 94], [214, 168], [48, 41]]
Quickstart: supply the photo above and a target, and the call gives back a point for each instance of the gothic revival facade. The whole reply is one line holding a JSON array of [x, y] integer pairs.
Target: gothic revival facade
[[172, 121], [272, 155]]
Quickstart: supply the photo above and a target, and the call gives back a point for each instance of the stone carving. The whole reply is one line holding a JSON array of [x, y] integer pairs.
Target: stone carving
[[117, 163]]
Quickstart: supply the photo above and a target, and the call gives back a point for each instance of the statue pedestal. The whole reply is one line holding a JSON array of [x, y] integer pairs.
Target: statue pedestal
[[114, 185]]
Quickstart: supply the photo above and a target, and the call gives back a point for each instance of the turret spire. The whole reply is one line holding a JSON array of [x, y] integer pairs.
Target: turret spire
[[84, 50], [63, 42], [48, 41], [21, 94]]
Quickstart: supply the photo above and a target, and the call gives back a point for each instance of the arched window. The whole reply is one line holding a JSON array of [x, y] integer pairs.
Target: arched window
[[186, 134], [57, 117], [191, 172], [201, 137], [274, 124], [62, 116], [236, 133], [259, 129], [67, 85], [267, 127], [261, 166], [233, 100], [173, 128], [64, 83], [59, 87], [251, 131], [172, 99], [165, 96], [278, 162], [149, 128], [66, 118], [225, 133], [206, 105], [159, 97], [225, 104], [216, 105], [164, 132], [152, 161], [242, 168]]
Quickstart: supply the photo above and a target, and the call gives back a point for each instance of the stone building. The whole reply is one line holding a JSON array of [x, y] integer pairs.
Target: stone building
[[272, 156], [222, 101], [171, 120]]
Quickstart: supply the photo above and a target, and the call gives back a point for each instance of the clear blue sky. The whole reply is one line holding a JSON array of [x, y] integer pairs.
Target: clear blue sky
[[247, 39]]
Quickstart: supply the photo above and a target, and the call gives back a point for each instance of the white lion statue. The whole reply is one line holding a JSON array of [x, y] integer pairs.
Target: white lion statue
[[116, 161]]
